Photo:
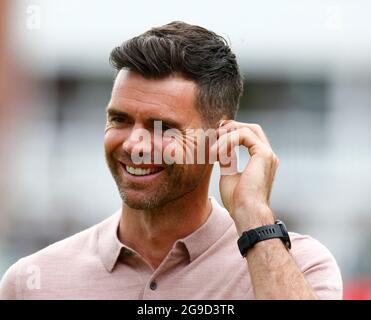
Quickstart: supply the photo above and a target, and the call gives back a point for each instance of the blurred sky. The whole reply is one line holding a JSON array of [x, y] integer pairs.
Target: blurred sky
[[268, 36]]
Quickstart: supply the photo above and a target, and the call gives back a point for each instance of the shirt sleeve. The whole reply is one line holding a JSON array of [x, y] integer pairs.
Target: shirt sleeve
[[9, 283], [319, 268]]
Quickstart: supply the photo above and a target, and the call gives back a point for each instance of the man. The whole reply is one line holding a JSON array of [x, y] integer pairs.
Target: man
[[170, 240]]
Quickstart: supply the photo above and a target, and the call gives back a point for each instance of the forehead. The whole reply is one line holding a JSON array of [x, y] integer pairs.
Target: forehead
[[173, 94]]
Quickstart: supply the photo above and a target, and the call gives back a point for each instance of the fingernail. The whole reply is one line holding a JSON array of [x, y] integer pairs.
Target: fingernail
[[221, 123]]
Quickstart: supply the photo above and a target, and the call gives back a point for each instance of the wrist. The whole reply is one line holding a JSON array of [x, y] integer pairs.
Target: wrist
[[270, 232], [247, 218]]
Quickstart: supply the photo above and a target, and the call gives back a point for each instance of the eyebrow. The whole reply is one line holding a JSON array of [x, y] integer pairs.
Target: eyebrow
[[166, 121], [115, 112]]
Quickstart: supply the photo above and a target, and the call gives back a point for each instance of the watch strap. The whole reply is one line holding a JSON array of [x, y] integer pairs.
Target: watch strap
[[253, 236]]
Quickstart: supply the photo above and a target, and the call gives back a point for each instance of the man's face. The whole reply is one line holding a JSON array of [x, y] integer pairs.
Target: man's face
[[136, 103]]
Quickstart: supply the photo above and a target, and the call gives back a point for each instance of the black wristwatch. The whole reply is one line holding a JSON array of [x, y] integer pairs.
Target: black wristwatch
[[249, 238]]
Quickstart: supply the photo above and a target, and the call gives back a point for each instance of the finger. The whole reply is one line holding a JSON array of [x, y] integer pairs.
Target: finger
[[229, 163], [234, 125], [230, 168], [221, 148], [257, 129], [246, 137], [222, 122], [242, 135]]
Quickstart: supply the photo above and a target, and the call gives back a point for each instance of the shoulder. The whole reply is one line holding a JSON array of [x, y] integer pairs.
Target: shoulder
[[8, 284], [318, 266], [71, 247], [67, 254]]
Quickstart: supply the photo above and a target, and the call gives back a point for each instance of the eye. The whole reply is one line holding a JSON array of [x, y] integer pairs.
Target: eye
[[159, 124], [119, 119], [165, 127]]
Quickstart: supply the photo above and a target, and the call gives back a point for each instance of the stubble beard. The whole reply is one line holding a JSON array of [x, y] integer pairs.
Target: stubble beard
[[175, 186]]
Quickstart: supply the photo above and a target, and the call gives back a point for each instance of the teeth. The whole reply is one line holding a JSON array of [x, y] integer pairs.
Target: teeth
[[141, 172]]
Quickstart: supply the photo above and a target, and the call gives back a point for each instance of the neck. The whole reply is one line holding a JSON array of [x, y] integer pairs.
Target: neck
[[152, 233]]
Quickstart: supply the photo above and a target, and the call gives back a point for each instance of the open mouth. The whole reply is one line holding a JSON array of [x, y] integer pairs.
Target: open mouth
[[135, 171]]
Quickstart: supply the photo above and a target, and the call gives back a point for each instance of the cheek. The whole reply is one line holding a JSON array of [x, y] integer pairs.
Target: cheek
[[112, 140]]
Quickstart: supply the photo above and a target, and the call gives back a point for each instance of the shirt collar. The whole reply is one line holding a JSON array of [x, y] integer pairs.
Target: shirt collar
[[109, 246], [218, 222]]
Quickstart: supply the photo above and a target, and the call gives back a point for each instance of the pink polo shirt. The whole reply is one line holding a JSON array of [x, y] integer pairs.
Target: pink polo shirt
[[206, 264]]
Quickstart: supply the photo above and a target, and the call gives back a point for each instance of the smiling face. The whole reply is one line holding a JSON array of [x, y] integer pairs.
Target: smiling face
[[135, 104]]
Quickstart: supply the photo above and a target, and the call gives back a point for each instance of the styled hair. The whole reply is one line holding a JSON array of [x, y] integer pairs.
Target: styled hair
[[194, 53]]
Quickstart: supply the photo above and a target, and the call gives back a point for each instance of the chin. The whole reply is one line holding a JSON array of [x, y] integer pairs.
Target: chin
[[146, 201], [136, 205], [139, 201], [141, 205]]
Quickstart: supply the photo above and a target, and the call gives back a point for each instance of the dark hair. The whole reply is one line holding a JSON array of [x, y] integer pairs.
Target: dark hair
[[193, 52]]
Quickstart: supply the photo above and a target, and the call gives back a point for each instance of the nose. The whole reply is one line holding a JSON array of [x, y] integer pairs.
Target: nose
[[139, 145]]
